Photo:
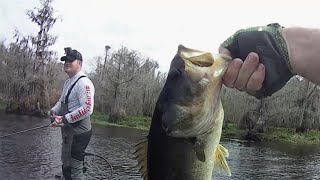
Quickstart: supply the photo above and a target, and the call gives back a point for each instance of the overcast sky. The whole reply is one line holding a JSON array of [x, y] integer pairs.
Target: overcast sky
[[154, 28]]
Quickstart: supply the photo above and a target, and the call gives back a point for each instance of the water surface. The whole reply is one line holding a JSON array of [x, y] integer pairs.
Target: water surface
[[36, 155]]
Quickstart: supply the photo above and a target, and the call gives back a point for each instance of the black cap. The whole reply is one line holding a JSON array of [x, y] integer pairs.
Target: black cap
[[71, 55]]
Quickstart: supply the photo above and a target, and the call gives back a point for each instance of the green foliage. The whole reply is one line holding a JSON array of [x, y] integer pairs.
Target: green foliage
[[138, 122], [230, 130], [288, 135], [99, 116], [3, 104], [275, 134]]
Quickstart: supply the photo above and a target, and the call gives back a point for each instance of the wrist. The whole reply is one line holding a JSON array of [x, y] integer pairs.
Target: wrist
[[303, 47], [64, 119]]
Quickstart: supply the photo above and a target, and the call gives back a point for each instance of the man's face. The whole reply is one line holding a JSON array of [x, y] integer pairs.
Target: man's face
[[72, 67]]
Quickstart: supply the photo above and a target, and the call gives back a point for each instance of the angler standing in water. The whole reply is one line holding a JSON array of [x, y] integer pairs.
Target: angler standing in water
[[72, 113]]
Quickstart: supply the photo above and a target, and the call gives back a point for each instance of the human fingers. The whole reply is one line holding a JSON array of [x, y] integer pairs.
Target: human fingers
[[232, 72], [256, 79], [54, 124], [247, 69]]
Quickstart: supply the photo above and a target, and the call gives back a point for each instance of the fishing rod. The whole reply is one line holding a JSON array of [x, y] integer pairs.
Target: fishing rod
[[91, 154], [27, 130]]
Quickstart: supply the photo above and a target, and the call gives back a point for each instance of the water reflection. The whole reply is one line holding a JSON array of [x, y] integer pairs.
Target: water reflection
[[272, 161], [36, 154]]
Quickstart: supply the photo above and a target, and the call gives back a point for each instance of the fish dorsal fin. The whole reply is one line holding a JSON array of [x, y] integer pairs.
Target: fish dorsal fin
[[141, 156], [220, 162]]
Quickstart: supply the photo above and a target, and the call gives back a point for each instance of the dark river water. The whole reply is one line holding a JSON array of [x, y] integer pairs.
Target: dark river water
[[36, 154]]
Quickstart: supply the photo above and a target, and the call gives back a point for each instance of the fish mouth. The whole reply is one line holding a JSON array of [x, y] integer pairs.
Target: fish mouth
[[201, 58], [200, 65], [196, 57], [205, 71]]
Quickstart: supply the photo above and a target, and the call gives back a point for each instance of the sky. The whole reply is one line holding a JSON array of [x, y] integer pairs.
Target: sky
[[155, 28]]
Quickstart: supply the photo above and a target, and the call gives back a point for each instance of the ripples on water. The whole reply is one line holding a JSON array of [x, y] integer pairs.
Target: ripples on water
[[36, 155]]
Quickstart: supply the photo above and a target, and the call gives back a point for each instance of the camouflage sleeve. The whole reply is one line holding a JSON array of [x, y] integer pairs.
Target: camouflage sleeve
[[269, 44]]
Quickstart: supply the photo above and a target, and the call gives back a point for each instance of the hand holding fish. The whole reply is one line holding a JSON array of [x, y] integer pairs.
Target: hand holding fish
[[245, 75], [265, 44]]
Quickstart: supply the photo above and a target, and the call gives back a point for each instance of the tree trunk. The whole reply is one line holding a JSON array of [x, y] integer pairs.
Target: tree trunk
[[260, 126], [117, 112], [44, 94]]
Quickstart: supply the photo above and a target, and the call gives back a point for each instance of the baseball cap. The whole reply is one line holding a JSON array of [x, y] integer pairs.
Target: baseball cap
[[71, 55]]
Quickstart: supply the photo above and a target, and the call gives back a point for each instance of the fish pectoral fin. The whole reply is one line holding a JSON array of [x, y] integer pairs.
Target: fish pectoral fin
[[200, 155], [224, 151], [220, 162], [141, 156], [198, 148]]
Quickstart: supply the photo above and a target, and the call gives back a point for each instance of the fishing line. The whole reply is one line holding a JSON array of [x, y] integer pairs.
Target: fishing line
[[44, 126], [27, 130]]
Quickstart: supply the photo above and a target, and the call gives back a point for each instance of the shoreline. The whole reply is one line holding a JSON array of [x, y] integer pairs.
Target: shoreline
[[274, 134]]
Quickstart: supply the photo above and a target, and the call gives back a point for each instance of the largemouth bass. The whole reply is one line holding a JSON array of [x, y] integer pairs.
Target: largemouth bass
[[183, 141]]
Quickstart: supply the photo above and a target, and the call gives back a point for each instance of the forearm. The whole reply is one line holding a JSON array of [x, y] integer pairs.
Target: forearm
[[79, 114], [303, 48]]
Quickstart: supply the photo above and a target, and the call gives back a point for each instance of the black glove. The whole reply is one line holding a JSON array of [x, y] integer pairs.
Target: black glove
[[269, 44]]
